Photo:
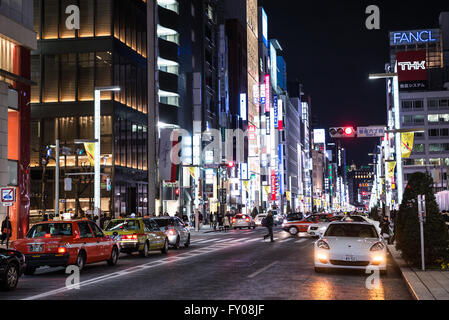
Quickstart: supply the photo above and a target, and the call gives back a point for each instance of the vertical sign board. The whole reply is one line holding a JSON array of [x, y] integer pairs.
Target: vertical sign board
[[8, 196], [243, 107], [281, 114], [273, 185], [412, 70], [267, 94], [276, 110]]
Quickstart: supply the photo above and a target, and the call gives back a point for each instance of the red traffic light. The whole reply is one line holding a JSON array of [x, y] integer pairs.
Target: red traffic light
[[231, 164], [177, 192], [349, 131]]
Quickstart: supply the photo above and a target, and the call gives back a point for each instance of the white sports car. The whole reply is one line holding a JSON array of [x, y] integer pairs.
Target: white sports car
[[350, 245]]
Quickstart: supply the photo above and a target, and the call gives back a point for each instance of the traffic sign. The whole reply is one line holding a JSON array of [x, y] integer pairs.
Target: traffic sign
[[8, 196], [371, 132]]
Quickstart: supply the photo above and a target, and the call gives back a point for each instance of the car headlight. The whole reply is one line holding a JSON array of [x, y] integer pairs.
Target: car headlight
[[323, 245], [377, 247]]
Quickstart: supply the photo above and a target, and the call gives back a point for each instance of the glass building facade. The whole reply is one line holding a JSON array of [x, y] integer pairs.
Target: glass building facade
[[109, 49]]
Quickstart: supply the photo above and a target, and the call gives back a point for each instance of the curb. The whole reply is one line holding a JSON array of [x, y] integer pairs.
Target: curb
[[406, 278]]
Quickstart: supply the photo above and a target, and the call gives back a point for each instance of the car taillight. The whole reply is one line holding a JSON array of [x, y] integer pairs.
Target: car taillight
[[233, 220], [47, 235], [171, 232], [247, 219], [130, 237], [62, 250]]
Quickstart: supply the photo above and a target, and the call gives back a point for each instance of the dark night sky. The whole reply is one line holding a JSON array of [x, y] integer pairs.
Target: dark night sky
[[328, 48]]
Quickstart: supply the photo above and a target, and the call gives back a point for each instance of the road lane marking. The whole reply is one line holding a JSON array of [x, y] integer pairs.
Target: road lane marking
[[206, 241], [262, 270], [287, 240], [301, 241]]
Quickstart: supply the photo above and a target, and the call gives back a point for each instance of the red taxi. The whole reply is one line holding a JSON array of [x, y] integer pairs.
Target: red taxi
[[63, 243], [301, 226]]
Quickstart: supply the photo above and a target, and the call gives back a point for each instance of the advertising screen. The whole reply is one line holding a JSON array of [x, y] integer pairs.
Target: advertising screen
[[412, 70]]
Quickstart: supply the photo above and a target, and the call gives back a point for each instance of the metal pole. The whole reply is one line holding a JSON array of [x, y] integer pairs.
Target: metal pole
[[97, 119], [57, 179], [421, 211]]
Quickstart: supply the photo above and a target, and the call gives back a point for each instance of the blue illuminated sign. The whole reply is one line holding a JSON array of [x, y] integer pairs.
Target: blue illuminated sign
[[414, 37], [276, 111]]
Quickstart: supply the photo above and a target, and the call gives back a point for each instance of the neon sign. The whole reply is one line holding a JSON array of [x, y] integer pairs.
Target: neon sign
[[414, 37]]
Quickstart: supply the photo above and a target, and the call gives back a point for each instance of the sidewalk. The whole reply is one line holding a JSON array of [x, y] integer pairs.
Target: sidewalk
[[423, 285]]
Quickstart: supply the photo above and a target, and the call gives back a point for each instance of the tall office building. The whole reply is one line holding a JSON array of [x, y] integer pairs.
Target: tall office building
[[17, 39], [109, 48]]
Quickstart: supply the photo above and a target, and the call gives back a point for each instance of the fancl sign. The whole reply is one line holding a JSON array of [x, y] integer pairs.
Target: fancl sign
[[402, 38]]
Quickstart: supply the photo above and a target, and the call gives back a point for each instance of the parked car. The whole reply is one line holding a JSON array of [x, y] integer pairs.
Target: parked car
[[241, 221], [176, 231], [138, 235], [259, 218], [12, 265], [63, 243], [350, 245], [295, 227]]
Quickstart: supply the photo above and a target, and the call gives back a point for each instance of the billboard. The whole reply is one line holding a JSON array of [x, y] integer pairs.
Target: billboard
[[412, 69], [319, 136], [264, 28]]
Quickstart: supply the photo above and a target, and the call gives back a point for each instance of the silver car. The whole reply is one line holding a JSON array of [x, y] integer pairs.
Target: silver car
[[178, 232], [241, 221]]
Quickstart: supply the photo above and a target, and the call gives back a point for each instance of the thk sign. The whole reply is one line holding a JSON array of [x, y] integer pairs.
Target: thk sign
[[8, 196]]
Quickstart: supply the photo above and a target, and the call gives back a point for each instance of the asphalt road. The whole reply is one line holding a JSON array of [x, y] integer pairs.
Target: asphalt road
[[236, 265]]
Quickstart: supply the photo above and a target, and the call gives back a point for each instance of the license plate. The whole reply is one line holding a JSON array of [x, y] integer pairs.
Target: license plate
[[350, 259], [36, 248]]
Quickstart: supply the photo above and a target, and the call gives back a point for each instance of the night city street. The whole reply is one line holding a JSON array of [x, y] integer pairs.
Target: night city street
[[223, 158], [218, 266]]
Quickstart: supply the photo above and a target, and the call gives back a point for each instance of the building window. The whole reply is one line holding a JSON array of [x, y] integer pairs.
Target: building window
[[86, 76], [86, 18], [51, 79], [103, 14], [50, 16], [67, 89]]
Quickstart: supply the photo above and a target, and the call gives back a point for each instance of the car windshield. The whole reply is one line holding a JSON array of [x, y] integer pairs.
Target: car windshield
[[294, 217], [123, 225], [351, 231], [164, 222], [50, 230]]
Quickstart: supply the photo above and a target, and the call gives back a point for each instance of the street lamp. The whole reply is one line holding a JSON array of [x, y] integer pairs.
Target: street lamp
[[97, 126]]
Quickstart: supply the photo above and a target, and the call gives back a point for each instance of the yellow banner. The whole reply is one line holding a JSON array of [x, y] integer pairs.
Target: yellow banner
[[407, 144], [288, 195], [246, 184], [267, 189], [90, 151], [192, 172], [391, 167]]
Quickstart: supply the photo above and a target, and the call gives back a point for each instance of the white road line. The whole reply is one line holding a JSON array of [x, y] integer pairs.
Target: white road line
[[239, 240], [287, 240], [301, 241], [206, 241], [262, 270], [225, 240]]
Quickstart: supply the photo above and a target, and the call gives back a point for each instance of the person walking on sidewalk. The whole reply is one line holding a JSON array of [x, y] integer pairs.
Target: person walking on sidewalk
[[6, 231], [268, 223], [226, 223]]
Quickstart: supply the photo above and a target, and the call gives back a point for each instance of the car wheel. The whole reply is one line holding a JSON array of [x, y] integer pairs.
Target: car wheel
[[29, 271], [177, 244], [146, 249], [293, 231], [187, 244], [114, 257], [11, 277], [81, 261], [165, 248]]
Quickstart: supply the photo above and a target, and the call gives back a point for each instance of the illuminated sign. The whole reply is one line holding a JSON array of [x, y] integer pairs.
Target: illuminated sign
[[319, 136], [244, 172], [263, 100], [276, 110], [273, 185], [268, 121], [265, 28], [252, 132], [412, 69], [414, 37], [267, 94], [243, 107], [256, 94], [281, 114]]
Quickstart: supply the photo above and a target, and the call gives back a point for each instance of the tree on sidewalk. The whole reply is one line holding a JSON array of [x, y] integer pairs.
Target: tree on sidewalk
[[408, 231]]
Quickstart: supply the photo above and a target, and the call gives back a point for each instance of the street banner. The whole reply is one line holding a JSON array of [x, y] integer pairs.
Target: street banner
[[166, 170], [267, 189], [246, 184], [192, 172], [90, 151], [407, 144], [391, 168], [288, 195]]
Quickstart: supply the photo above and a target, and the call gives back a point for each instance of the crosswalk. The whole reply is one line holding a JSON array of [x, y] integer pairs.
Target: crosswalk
[[240, 239]]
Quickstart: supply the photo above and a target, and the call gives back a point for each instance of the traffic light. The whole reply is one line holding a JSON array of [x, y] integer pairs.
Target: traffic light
[[342, 132], [231, 164], [177, 192]]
